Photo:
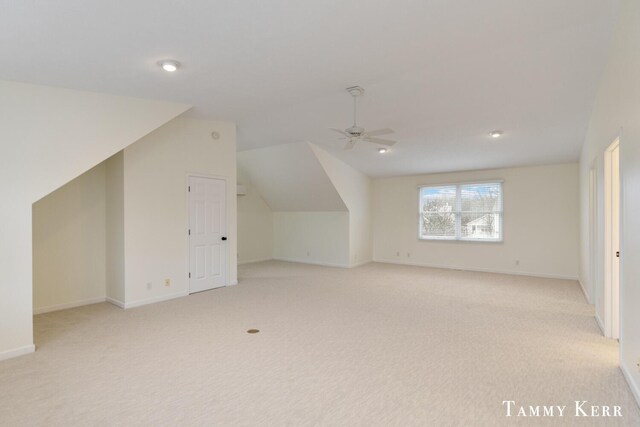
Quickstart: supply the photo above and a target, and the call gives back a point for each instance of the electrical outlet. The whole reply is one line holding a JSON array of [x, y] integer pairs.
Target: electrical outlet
[[167, 282], [149, 285], [517, 262]]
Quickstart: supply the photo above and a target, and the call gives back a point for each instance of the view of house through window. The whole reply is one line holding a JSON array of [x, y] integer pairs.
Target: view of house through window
[[470, 211]]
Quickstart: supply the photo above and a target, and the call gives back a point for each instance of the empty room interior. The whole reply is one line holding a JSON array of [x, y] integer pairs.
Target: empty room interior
[[340, 213]]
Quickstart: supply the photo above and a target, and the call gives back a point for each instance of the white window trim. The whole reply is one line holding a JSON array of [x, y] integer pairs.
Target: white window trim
[[458, 224]]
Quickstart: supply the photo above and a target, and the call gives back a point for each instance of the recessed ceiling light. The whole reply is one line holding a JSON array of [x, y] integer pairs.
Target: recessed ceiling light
[[495, 133], [169, 65], [382, 150]]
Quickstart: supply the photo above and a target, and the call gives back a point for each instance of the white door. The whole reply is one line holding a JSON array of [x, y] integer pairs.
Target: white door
[[207, 233]]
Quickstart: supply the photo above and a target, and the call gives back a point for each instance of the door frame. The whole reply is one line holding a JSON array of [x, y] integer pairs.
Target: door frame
[[227, 263], [611, 289], [593, 230]]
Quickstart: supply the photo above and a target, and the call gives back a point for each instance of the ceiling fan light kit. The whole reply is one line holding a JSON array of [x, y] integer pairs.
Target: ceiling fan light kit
[[356, 133]]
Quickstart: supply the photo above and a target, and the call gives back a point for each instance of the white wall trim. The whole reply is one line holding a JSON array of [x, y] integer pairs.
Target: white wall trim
[[15, 352], [153, 300], [233, 283], [600, 324], [480, 270], [584, 291], [358, 264], [326, 264], [251, 261], [635, 388], [299, 261], [115, 302], [57, 307]]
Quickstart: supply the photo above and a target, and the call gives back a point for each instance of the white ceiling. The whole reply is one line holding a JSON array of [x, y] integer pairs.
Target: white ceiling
[[442, 73]]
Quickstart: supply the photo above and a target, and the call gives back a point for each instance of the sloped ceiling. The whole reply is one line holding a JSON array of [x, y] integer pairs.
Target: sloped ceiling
[[290, 178], [57, 134], [441, 73]]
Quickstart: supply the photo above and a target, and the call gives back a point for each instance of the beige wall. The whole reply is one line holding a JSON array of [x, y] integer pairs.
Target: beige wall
[[255, 226], [312, 237], [49, 137], [155, 203], [114, 252], [540, 223], [616, 113], [356, 191], [136, 200], [69, 244], [320, 237]]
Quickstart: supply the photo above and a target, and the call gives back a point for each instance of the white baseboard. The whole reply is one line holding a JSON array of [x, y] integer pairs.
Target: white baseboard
[[479, 270], [584, 291], [57, 307], [600, 324], [361, 263], [15, 352], [251, 261], [115, 302], [635, 388], [304, 261], [300, 261], [233, 283], [153, 300]]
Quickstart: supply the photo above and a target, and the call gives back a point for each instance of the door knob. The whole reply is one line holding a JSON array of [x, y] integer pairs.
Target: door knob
[[224, 238]]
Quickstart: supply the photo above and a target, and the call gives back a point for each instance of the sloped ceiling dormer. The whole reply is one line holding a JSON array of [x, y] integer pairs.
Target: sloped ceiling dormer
[[290, 178]]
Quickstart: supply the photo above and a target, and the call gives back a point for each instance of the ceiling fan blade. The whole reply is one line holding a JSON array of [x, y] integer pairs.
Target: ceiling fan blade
[[350, 144], [339, 131], [379, 132], [380, 141]]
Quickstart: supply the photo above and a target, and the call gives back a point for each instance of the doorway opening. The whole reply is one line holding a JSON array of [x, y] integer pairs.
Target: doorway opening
[[612, 240]]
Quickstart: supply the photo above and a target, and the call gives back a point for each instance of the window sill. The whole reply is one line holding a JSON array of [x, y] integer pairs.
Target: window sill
[[444, 239]]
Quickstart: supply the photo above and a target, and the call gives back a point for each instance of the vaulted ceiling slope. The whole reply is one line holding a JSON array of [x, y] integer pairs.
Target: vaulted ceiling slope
[[441, 73], [53, 135], [290, 178]]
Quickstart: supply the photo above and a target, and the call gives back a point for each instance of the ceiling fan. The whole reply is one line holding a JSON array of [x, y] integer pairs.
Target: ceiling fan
[[356, 133]]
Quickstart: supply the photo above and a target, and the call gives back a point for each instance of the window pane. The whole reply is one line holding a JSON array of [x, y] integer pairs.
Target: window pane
[[462, 211], [481, 197], [480, 226], [437, 212], [438, 225], [438, 199]]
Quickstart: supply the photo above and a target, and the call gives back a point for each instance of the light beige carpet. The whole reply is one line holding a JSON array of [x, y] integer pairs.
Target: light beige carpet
[[378, 345]]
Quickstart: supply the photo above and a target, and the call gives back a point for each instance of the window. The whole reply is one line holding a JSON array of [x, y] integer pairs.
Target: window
[[461, 212]]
